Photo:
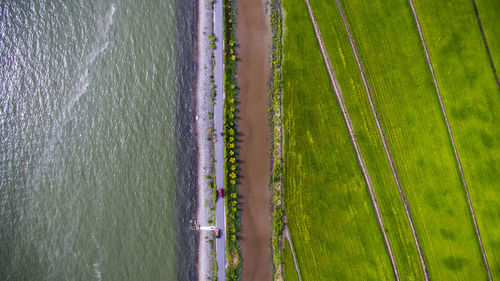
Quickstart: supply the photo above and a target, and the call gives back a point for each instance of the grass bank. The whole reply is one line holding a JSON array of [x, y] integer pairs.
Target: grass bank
[[231, 137], [276, 137], [289, 272]]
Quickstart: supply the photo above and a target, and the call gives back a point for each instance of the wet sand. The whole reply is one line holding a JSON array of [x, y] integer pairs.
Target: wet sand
[[254, 38]]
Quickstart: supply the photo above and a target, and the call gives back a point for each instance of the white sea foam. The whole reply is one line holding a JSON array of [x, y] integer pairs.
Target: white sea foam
[[95, 53], [109, 19], [96, 265], [101, 45], [97, 272], [79, 89]]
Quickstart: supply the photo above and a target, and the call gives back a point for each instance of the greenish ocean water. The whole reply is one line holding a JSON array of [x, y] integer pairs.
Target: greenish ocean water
[[97, 143]]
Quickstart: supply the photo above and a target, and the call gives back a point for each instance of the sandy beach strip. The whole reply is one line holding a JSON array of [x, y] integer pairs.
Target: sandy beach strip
[[205, 147]]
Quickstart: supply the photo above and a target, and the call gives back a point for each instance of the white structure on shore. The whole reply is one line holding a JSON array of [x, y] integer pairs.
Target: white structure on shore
[[209, 228]]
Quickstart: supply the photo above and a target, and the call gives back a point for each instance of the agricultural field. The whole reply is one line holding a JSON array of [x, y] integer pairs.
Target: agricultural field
[[289, 270], [470, 97], [319, 156], [404, 94], [343, 61], [489, 13], [329, 212]]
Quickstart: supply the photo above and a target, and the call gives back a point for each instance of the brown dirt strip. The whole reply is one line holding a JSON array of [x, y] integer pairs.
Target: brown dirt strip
[[340, 99], [384, 140], [451, 137], [476, 11], [286, 233], [254, 38]]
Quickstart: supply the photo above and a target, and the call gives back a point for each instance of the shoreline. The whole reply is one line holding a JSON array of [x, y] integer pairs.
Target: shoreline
[[205, 147], [185, 14]]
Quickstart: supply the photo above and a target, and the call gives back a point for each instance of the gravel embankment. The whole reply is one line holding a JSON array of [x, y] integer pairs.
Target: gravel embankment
[[205, 147]]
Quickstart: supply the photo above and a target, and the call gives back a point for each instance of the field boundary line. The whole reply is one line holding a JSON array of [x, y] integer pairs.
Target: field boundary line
[[289, 239], [478, 234], [492, 64], [388, 154], [347, 119]]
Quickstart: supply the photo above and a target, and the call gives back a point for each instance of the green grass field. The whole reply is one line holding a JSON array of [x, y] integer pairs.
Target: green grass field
[[323, 184], [472, 100], [390, 47], [489, 12], [288, 268], [329, 212], [343, 61]]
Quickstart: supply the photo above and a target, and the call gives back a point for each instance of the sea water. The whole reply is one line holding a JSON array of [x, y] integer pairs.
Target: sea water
[[96, 149]]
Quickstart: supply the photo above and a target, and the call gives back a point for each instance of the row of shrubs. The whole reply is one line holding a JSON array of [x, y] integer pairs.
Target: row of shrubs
[[231, 137], [231, 148], [274, 96]]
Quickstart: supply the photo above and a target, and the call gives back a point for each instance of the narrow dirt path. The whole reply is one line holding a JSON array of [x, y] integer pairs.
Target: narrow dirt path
[[492, 64], [451, 136], [384, 140], [286, 234], [340, 99]]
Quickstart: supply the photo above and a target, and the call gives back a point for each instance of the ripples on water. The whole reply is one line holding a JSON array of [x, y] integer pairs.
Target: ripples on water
[[95, 117]]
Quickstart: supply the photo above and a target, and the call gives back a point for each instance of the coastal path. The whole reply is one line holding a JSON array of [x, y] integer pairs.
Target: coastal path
[[220, 212]]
